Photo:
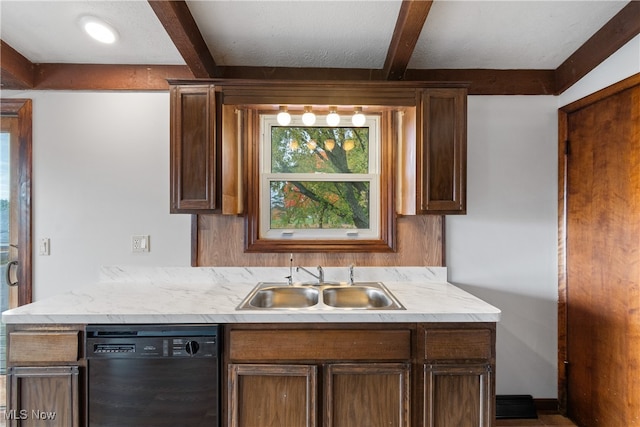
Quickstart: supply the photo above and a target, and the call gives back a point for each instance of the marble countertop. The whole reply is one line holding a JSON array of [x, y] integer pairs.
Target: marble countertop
[[126, 295]]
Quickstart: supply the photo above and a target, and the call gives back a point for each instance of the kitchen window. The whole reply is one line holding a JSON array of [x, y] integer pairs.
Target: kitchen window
[[319, 187], [319, 182]]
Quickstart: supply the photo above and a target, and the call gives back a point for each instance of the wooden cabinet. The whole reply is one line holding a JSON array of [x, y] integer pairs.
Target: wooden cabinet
[[431, 375], [43, 368], [441, 151], [458, 378], [274, 376], [332, 375], [456, 396], [194, 149], [205, 126], [272, 395], [43, 396], [367, 394]]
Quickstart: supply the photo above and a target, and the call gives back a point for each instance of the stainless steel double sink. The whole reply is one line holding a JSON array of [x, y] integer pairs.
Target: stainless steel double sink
[[325, 296]]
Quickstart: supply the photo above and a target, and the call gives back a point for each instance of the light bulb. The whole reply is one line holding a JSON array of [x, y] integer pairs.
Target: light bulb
[[283, 117], [308, 118], [98, 29], [358, 119], [333, 119]]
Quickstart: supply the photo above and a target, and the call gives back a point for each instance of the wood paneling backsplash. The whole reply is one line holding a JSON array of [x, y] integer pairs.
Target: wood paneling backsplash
[[220, 242]]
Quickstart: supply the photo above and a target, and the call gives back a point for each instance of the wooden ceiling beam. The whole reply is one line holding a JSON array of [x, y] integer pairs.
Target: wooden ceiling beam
[[493, 82], [411, 19], [302, 73], [482, 81], [16, 71], [107, 77], [620, 29], [177, 20], [154, 77]]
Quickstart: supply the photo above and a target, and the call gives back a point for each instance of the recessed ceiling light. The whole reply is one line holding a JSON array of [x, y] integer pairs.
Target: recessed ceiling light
[[98, 29]]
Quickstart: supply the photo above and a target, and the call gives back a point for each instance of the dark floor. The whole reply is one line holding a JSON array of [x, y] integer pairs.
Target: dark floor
[[545, 418]]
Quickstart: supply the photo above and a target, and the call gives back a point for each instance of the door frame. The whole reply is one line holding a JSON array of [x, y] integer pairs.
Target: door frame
[[22, 109], [563, 152]]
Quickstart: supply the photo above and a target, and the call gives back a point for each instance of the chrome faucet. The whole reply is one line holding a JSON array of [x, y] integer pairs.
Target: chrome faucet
[[320, 275]]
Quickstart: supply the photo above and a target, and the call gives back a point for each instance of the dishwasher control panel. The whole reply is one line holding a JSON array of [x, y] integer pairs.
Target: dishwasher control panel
[[114, 348], [151, 341]]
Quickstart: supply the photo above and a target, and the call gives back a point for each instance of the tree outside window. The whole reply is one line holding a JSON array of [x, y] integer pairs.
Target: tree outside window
[[320, 181]]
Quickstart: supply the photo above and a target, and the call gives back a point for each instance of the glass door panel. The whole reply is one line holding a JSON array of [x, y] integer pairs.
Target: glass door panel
[[8, 236]]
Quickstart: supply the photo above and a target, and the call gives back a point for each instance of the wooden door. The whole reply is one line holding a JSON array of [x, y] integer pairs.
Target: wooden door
[[367, 394], [602, 283], [272, 395], [15, 214]]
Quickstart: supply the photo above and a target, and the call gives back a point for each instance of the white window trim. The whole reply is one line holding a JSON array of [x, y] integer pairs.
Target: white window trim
[[266, 177]]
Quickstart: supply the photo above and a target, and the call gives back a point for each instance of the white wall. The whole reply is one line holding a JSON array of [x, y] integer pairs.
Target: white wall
[[101, 175], [505, 249]]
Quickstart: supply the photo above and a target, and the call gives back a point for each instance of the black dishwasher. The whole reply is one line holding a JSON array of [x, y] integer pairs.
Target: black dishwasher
[[153, 375]]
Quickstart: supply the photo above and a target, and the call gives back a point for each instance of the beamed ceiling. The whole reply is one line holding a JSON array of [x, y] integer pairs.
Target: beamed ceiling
[[499, 47]]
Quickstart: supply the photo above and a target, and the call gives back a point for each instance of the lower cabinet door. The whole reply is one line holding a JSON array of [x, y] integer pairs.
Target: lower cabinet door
[[457, 396], [371, 394], [272, 395], [43, 396]]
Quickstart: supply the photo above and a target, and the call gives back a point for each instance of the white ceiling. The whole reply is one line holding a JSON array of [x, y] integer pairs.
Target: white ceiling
[[306, 33]]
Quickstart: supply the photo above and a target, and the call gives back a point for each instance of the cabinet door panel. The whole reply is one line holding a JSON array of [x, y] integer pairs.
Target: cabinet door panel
[[194, 150], [272, 395], [367, 395], [442, 152], [43, 396], [457, 396]]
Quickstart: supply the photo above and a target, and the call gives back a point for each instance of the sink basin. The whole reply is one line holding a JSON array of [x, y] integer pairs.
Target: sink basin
[[284, 297], [324, 296], [356, 297]]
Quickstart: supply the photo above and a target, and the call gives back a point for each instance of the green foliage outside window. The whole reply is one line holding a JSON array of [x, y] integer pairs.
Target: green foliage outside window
[[300, 203]]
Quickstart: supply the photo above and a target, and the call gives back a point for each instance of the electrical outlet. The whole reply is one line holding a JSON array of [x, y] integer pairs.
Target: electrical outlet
[[139, 243]]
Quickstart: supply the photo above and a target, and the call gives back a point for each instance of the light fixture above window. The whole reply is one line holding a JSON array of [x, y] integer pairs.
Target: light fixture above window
[[308, 117], [98, 29], [283, 117], [333, 118], [358, 119]]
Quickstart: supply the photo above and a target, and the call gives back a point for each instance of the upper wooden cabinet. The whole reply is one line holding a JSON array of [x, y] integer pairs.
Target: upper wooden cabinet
[[207, 123], [441, 151], [195, 154]]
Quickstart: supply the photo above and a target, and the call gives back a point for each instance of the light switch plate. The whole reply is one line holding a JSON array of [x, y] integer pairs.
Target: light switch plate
[[44, 246]]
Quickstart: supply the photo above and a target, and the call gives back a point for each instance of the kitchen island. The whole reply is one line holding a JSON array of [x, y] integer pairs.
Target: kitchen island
[[430, 364]]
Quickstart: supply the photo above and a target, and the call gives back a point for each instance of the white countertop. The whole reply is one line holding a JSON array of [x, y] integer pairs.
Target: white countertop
[[127, 295]]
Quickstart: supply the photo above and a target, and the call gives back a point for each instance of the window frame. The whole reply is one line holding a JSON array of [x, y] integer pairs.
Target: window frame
[[255, 242]]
